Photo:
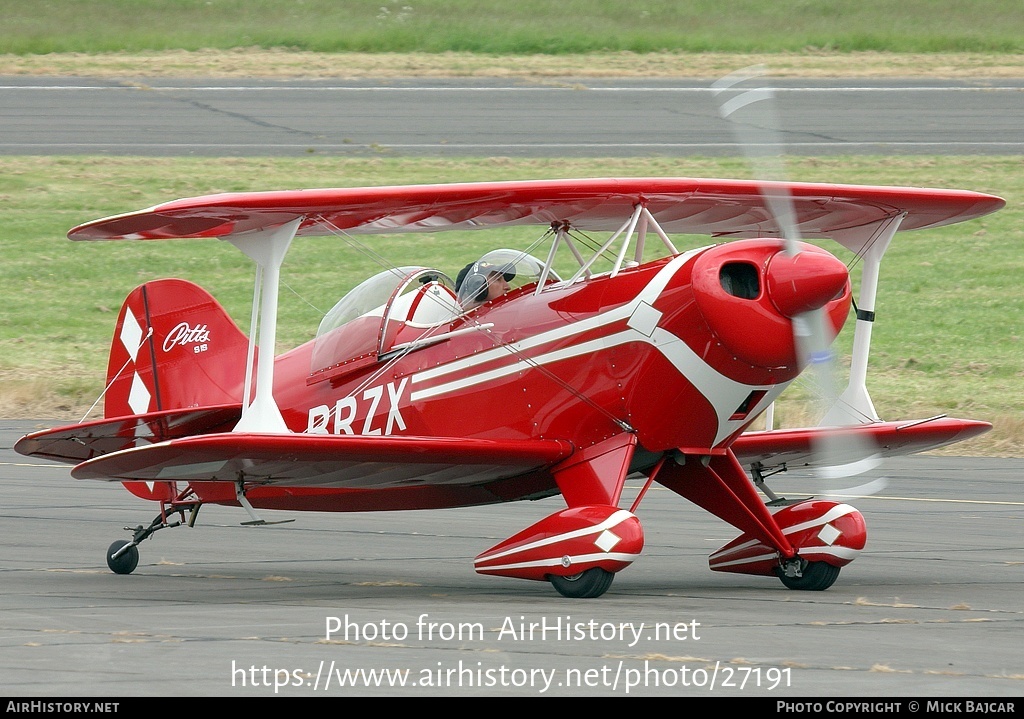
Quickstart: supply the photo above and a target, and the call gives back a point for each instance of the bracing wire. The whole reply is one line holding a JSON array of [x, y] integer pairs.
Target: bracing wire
[[116, 376]]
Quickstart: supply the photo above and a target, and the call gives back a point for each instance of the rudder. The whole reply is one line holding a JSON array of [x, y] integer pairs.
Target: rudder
[[174, 347]]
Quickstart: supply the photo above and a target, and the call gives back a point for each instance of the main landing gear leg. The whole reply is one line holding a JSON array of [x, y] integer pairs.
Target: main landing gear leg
[[123, 556], [578, 549], [804, 544]]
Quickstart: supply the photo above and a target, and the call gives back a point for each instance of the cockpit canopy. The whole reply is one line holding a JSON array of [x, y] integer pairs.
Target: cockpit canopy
[[394, 306], [404, 308], [371, 295]]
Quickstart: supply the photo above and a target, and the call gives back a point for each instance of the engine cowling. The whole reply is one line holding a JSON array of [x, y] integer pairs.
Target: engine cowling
[[749, 291]]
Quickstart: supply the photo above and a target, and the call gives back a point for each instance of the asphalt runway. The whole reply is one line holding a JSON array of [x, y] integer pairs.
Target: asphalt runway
[[566, 118], [323, 606]]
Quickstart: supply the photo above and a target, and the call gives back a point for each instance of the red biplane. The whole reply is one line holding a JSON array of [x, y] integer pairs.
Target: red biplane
[[639, 361]]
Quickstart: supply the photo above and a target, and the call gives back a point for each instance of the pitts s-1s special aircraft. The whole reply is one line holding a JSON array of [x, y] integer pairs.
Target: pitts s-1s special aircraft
[[641, 360]]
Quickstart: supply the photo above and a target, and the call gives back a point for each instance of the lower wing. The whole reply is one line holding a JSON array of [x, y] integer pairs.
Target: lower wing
[[312, 460], [795, 447]]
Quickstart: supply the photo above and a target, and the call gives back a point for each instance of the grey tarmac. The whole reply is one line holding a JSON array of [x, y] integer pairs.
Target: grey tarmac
[[388, 604]]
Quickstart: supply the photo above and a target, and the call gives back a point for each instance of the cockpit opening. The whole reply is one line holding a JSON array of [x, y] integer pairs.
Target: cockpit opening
[[495, 274], [405, 308], [393, 306]]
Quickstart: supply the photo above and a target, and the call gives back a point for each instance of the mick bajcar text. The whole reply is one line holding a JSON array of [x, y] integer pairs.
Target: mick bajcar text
[[911, 706]]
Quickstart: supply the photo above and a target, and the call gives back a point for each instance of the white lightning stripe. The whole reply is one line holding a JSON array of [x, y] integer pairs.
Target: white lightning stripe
[[557, 561], [840, 510], [738, 548], [728, 393], [612, 521], [647, 295], [773, 556], [837, 552], [514, 349], [523, 364]]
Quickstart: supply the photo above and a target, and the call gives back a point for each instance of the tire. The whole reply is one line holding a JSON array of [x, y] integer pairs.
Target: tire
[[127, 562], [586, 585], [817, 577]]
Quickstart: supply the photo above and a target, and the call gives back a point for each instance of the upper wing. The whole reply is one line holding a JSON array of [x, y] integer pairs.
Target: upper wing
[[687, 205], [793, 447], [312, 460]]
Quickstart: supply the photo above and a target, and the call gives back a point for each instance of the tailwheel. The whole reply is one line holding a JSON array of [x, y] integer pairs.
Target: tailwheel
[[808, 576], [586, 585], [122, 557]]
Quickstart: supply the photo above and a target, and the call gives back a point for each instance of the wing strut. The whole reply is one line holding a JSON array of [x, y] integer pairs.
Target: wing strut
[[267, 247], [639, 221], [854, 405]]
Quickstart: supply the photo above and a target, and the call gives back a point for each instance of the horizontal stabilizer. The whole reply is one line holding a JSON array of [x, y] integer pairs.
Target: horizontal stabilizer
[[793, 447], [80, 442], [315, 460]]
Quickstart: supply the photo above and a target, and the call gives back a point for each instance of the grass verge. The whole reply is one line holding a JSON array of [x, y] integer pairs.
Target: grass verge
[[287, 64]]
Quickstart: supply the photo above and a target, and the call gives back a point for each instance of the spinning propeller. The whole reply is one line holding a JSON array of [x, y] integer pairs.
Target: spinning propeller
[[748, 104]]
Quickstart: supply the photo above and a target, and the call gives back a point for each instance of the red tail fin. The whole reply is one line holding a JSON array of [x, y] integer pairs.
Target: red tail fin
[[174, 347]]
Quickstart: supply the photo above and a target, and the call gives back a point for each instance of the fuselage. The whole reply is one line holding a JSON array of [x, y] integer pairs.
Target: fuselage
[[653, 350]]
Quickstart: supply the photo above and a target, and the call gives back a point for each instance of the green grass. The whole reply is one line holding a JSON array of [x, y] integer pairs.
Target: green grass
[[950, 311], [522, 27]]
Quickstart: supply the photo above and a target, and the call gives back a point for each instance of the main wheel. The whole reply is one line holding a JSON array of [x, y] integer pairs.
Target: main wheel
[[586, 585], [126, 562], [816, 577]]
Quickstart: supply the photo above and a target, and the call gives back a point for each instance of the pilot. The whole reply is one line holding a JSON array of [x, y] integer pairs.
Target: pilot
[[482, 281]]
